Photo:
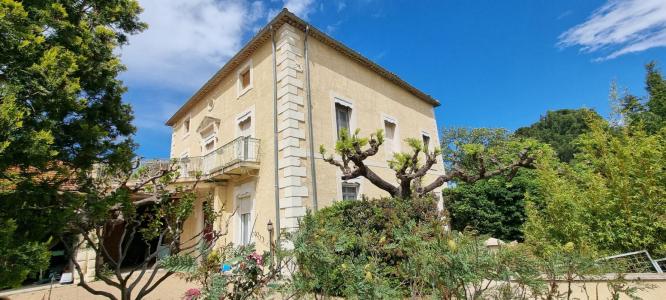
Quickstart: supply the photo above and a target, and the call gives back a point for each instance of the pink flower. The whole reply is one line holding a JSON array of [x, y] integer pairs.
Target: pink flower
[[192, 294], [257, 258]]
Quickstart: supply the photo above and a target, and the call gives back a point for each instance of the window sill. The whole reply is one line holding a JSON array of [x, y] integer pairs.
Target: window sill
[[244, 91]]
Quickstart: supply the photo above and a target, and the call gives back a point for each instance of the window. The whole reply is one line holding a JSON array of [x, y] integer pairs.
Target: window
[[245, 127], [186, 126], [245, 79], [209, 145], [426, 142], [350, 191], [389, 132], [245, 228], [244, 208], [244, 82], [342, 117]]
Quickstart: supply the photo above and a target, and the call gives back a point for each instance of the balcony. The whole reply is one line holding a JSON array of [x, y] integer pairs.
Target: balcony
[[236, 158]]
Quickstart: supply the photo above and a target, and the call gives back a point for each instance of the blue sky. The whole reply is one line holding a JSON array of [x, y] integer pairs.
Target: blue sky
[[491, 63]]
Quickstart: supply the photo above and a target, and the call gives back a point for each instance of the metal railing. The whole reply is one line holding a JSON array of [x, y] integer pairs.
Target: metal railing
[[636, 262], [242, 149]]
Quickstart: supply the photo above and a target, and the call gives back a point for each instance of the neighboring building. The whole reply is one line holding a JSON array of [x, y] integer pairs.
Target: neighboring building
[[226, 130]]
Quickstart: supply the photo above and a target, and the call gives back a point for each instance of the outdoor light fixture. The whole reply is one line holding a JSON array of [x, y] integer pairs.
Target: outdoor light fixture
[[269, 226]]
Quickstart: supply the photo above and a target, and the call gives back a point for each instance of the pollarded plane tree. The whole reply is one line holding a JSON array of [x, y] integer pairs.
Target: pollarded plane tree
[[469, 155]]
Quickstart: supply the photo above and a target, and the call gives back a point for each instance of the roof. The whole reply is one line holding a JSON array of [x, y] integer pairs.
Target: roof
[[265, 34]]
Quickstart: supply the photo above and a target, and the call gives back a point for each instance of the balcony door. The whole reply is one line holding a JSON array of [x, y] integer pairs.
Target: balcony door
[[207, 149], [243, 145]]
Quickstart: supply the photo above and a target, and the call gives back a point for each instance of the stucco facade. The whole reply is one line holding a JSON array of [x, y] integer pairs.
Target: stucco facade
[[210, 129]]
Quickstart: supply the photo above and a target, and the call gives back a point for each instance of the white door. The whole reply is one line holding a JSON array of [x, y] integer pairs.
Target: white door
[[244, 210], [209, 158], [243, 150]]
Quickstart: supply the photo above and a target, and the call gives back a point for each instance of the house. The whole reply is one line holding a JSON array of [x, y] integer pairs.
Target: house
[[252, 129]]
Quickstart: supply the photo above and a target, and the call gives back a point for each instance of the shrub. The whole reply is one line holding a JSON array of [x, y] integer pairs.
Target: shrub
[[392, 248]]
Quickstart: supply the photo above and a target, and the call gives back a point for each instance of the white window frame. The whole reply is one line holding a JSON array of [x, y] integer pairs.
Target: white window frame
[[426, 134], [207, 140], [248, 113], [357, 185], [242, 192], [239, 84], [395, 147], [434, 143], [188, 129], [339, 182], [337, 99]]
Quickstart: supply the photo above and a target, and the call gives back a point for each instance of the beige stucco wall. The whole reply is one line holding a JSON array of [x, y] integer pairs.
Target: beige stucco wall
[[372, 97], [333, 76], [227, 106]]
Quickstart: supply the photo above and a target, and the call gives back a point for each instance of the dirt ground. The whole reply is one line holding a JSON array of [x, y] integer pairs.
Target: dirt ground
[[172, 288]]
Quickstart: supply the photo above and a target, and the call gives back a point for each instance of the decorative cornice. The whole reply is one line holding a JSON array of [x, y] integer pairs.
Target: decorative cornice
[[264, 35]]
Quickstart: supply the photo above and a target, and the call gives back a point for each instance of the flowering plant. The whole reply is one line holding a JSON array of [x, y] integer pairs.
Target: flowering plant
[[192, 294]]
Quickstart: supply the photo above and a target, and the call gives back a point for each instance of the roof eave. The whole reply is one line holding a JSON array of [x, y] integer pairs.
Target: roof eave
[[264, 34]]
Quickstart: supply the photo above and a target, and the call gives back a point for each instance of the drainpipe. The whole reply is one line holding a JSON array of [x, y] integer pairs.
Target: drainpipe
[[313, 171], [275, 144]]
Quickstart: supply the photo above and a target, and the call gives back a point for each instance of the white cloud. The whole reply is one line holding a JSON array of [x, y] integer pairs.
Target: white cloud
[[187, 40], [301, 8], [186, 43], [620, 27]]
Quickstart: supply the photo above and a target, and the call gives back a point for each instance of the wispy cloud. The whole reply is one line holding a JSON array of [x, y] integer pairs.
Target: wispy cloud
[[620, 27], [341, 5]]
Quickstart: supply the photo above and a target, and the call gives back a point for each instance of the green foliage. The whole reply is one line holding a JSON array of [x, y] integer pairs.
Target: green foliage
[[612, 198], [560, 129], [18, 259], [61, 107], [351, 248], [479, 150], [494, 206], [650, 113], [392, 248], [249, 277]]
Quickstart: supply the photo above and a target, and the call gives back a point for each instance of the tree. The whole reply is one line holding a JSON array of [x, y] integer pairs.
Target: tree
[[141, 204], [62, 110], [493, 206], [649, 112], [612, 198], [467, 160], [560, 129]]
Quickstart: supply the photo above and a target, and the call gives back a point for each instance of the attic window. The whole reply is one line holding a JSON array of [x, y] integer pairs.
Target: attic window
[[186, 125], [245, 79]]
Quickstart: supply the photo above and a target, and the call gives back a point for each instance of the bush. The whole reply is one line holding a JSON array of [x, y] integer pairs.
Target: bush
[[392, 248], [352, 247]]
